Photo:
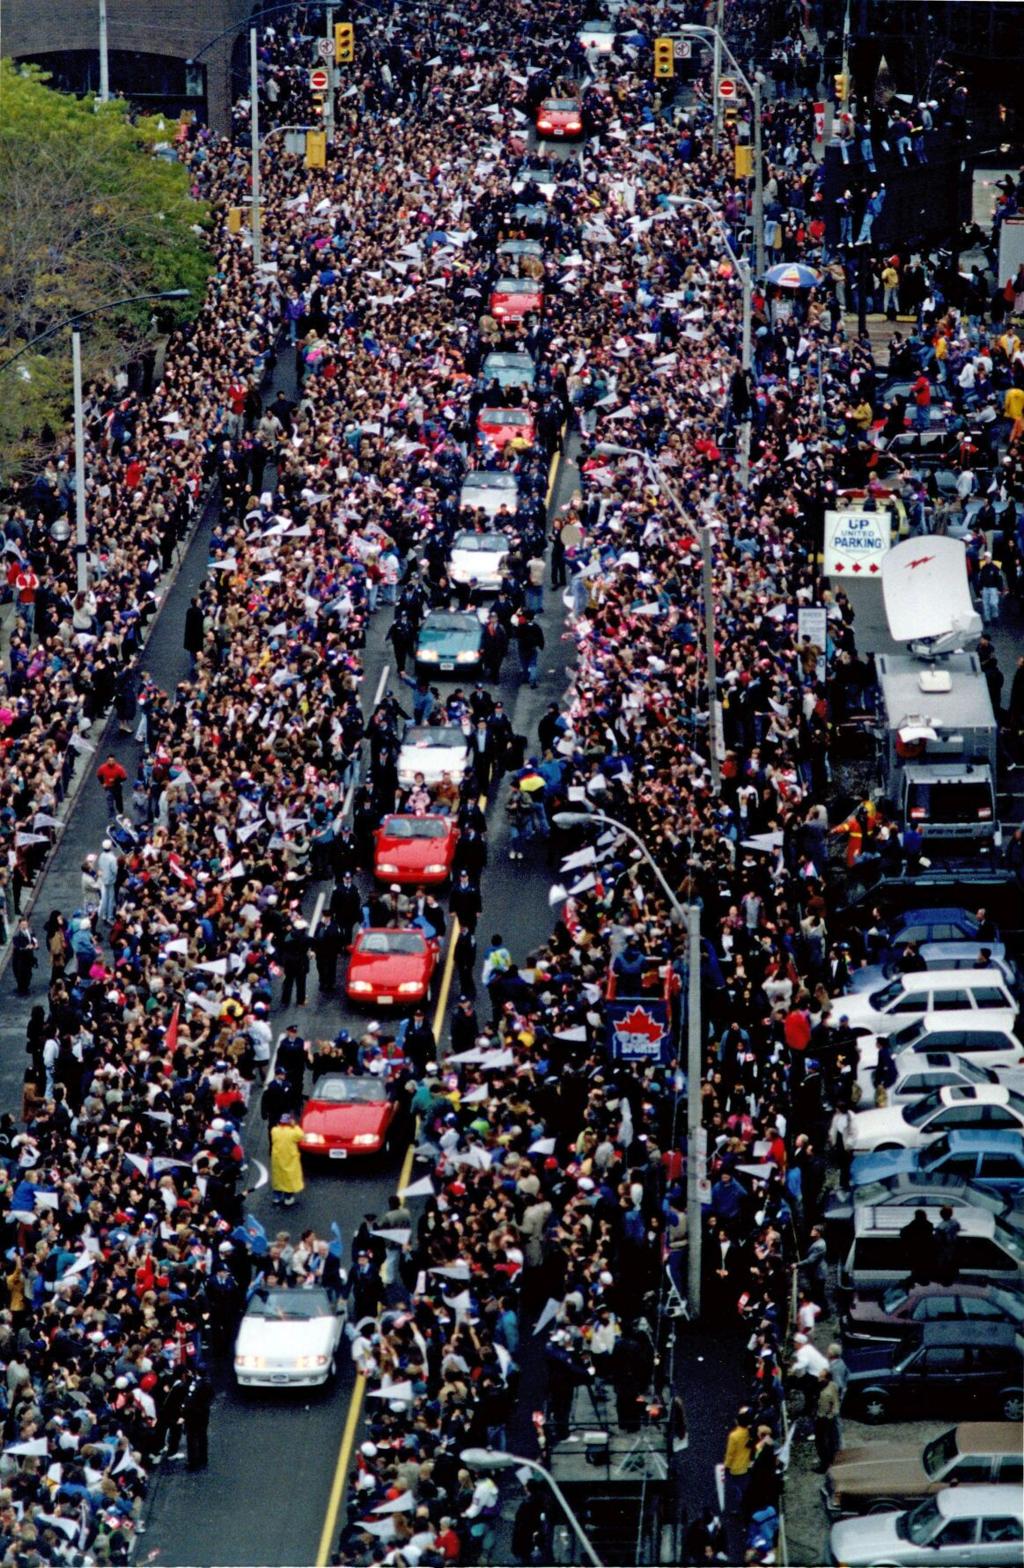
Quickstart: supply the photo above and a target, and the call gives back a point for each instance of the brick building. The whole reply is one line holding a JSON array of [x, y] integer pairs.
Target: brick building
[[148, 48]]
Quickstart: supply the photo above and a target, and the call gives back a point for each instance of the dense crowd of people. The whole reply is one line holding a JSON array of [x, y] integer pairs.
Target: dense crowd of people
[[555, 1171]]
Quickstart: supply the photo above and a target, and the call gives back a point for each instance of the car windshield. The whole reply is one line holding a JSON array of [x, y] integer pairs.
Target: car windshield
[[435, 735], [350, 1091], [935, 1155], [886, 995], [921, 1523], [486, 544], [506, 416], [516, 286], [1010, 1240], [917, 1114], [414, 827], [561, 106], [441, 622], [290, 1306], [1009, 1302], [902, 1039], [894, 1299], [940, 1453], [490, 481], [405, 942], [508, 361]]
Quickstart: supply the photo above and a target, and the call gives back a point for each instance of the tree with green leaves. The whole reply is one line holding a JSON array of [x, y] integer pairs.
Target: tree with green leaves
[[91, 213]]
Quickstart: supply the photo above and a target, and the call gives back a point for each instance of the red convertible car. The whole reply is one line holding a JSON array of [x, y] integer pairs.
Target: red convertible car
[[347, 1116], [414, 849], [499, 426], [390, 966], [560, 117], [513, 298]]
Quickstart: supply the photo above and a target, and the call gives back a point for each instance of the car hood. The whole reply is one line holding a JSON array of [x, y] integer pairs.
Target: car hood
[[478, 563], [856, 1005], [284, 1340], [880, 1469], [411, 854], [867, 979], [344, 1121], [887, 1121], [386, 968], [870, 1539], [432, 761], [873, 1167]]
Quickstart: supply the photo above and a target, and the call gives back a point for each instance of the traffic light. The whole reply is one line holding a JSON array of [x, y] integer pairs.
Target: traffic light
[[318, 105], [664, 58], [842, 86], [344, 43], [316, 149], [744, 160], [730, 113], [234, 220]]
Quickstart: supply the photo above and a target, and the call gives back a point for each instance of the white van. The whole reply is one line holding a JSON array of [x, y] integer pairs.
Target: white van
[[981, 992]]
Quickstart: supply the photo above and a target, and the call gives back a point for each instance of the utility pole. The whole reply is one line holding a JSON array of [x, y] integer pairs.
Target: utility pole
[[694, 1105], [758, 180], [104, 59], [329, 63], [254, 136], [716, 75], [710, 658], [81, 538]]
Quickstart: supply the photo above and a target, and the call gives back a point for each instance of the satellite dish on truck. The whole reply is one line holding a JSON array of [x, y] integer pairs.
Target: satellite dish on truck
[[927, 596]]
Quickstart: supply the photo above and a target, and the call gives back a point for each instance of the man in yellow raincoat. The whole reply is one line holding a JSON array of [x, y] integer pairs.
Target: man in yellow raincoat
[[285, 1161]]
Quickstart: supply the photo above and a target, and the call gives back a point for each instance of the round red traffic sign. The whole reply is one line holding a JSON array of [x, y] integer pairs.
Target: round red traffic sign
[[318, 80], [726, 87]]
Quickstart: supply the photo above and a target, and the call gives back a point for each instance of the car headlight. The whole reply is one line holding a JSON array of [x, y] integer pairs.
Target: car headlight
[[574, 125], [435, 868], [498, 310], [387, 868], [365, 1140], [410, 988], [314, 1139], [250, 1361], [362, 986], [427, 655], [543, 125], [467, 656]]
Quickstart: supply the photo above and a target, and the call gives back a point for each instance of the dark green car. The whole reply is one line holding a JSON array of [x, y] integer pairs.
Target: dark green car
[[449, 643]]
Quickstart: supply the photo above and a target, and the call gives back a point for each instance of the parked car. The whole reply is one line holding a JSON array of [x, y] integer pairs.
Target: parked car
[[488, 490], [960, 1526], [978, 1106], [901, 1312], [955, 1369], [921, 1072], [987, 1249], [414, 850], [449, 642], [347, 1117], [905, 997], [945, 923], [288, 1338], [479, 557], [906, 1190], [597, 36], [390, 966], [433, 749], [938, 955], [990, 1157], [882, 1476], [974, 1042], [995, 890]]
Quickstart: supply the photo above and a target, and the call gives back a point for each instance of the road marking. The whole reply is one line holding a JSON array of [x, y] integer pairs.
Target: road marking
[[318, 910], [348, 1439], [382, 684], [446, 983], [553, 475], [261, 1180], [346, 805]]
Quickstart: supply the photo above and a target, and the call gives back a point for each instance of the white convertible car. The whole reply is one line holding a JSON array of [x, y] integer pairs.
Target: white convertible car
[[432, 749], [479, 558], [289, 1338]]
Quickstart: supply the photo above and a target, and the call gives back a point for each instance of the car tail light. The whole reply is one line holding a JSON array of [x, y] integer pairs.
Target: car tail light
[[917, 813], [984, 813]]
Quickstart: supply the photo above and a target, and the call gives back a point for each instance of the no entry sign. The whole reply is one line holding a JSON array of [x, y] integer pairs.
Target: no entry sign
[[726, 87], [318, 79]]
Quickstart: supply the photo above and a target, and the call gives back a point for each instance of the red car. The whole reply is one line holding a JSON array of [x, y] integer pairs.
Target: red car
[[560, 117], [414, 849], [513, 298], [499, 426], [390, 966], [347, 1116]]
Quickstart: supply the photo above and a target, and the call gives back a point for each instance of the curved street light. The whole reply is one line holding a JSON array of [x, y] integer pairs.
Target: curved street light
[[94, 310], [497, 1459]]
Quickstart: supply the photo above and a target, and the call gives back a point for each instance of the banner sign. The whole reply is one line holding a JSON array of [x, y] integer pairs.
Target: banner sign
[[855, 543], [639, 1030]]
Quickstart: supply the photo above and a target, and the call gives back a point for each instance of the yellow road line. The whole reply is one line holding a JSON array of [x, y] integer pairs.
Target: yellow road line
[[446, 982], [348, 1439], [552, 476]]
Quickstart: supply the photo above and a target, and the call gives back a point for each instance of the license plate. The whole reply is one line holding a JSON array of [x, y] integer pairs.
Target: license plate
[[385, 1001], [337, 1154], [447, 664], [278, 1377]]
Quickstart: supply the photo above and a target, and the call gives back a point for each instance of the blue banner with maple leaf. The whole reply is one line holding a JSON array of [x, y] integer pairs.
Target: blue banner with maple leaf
[[639, 1030]]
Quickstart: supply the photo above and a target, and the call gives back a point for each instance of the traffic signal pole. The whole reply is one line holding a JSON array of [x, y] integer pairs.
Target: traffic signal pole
[[254, 137], [329, 63]]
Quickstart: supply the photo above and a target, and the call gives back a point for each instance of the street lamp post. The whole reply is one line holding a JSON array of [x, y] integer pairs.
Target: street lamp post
[[104, 55], [659, 481], [81, 539], [716, 38], [497, 1459], [254, 138], [690, 916]]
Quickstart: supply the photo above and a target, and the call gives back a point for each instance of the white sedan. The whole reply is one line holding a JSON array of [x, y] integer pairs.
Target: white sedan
[[479, 558], [919, 1072], [433, 749], [975, 1108], [288, 1338]]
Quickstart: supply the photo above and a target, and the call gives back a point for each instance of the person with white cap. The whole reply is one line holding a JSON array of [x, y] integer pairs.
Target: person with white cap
[[108, 865]]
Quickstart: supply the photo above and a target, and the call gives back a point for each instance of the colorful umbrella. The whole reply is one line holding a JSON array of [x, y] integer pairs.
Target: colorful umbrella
[[529, 782], [791, 275]]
